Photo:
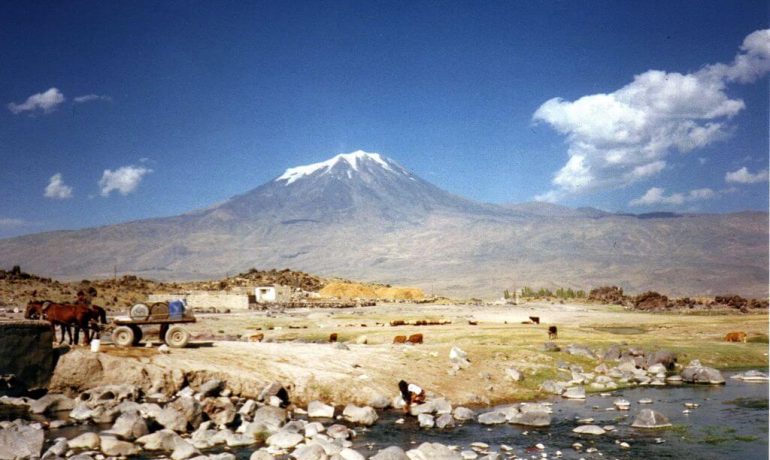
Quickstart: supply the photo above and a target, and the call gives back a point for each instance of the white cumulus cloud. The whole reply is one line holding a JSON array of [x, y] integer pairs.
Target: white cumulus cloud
[[91, 98], [657, 196], [743, 176], [45, 102], [57, 189], [124, 179], [622, 137]]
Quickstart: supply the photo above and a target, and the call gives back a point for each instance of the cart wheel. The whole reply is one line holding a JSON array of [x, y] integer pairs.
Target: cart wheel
[[138, 334], [177, 337], [123, 336]]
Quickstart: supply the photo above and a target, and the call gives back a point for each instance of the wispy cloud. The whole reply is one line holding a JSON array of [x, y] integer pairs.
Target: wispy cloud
[[45, 102], [622, 137], [123, 180], [743, 176], [57, 189], [8, 222], [91, 98], [657, 196]]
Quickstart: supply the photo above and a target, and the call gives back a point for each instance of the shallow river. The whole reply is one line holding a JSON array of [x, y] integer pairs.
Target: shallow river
[[731, 422]]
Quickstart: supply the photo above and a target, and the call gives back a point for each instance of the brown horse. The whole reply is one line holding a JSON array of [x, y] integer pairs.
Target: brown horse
[[100, 316], [67, 315], [34, 309]]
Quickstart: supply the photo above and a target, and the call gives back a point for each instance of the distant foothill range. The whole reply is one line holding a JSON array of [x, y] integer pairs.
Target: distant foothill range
[[363, 216]]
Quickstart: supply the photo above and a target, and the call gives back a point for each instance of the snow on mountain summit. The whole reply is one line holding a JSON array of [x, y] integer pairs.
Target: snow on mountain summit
[[353, 158]]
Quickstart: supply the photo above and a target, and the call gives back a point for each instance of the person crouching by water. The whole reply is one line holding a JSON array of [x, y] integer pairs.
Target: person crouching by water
[[412, 394]]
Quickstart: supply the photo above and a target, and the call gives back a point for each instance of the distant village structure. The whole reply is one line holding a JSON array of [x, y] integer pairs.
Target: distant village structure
[[238, 298], [275, 293]]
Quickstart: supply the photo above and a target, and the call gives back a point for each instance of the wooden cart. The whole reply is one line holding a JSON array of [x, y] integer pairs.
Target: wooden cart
[[128, 331]]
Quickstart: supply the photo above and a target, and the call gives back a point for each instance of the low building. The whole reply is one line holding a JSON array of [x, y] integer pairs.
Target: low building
[[275, 293], [204, 301]]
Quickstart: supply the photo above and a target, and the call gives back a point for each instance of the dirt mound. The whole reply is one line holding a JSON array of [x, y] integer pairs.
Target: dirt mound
[[346, 290], [285, 277], [608, 295], [651, 300]]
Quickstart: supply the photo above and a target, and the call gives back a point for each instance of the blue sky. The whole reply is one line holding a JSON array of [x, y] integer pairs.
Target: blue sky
[[115, 111]]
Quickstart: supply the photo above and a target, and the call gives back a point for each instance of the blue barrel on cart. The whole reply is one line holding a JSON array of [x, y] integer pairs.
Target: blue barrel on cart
[[176, 309]]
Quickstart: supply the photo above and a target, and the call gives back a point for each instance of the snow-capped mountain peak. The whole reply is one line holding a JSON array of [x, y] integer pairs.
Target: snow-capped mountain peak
[[353, 159]]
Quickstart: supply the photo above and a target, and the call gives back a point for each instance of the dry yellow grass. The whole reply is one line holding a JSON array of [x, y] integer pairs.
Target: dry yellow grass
[[363, 291]]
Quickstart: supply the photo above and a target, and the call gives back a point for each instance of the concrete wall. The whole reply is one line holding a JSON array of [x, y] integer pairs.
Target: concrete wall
[[206, 300], [26, 351]]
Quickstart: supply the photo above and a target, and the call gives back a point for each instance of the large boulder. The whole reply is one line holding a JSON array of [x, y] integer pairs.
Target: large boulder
[[552, 387], [317, 409], [589, 429], [445, 421], [702, 374], [361, 415], [426, 421], [390, 453], [79, 370], [51, 403], [432, 451], [21, 442], [574, 393], [531, 418], [492, 418], [86, 441], [129, 426], [220, 410], [172, 419], [310, 452], [184, 450], [114, 447], [190, 408], [271, 417], [663, 357], [463, 413], [648, 418], [211, 387], [164, 440], [284, 440]]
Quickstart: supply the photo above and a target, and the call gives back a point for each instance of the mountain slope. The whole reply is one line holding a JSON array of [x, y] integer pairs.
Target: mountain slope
[[363, 216]]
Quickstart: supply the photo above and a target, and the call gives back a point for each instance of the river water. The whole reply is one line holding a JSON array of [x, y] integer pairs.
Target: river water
[[730, 422]]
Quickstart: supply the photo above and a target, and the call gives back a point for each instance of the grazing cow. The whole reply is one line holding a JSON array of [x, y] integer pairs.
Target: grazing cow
[[473, 323], [332, 337], [399, 339], [736, 337], [415, 339], [397, 322], [552, 332], [257, 337], [535, 319]]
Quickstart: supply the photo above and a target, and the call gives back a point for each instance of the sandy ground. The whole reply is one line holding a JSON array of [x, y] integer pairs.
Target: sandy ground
[[296, 349]]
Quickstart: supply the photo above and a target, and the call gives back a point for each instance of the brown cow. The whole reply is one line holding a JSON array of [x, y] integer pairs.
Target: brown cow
[[535, 319], [257, 337], [736, 337], [397, 322], [553, 332], [332, 337], [399, 339], [415, 339]]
